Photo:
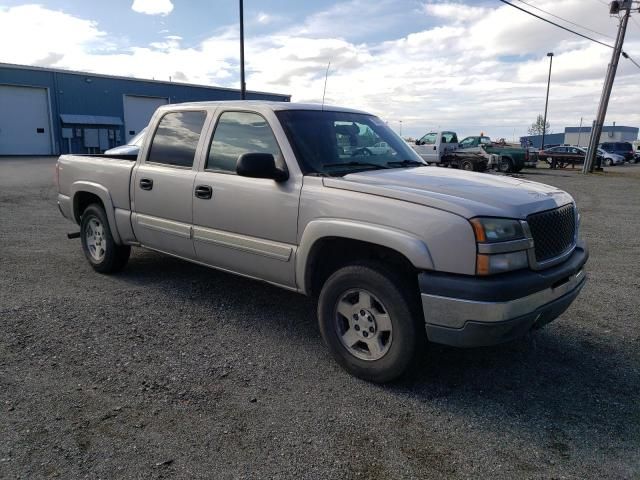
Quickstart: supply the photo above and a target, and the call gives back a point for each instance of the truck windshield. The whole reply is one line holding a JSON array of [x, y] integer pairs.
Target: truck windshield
[[337, 143]]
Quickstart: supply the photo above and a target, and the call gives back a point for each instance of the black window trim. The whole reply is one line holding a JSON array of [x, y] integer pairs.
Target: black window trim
[[169, 165], [213, 133]]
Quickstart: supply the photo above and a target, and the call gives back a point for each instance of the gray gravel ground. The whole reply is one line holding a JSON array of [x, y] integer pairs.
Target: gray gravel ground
[[171, 370]]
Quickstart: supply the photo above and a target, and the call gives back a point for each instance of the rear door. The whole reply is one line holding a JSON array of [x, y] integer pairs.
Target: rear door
[[246, 225], [162, 186]]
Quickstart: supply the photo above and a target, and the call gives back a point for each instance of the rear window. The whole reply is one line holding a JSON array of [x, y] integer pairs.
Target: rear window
[[176, 139]]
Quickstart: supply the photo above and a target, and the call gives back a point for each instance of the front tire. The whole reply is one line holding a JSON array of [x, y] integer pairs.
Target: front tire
[[370, 320], [97, 242], [505, 165]]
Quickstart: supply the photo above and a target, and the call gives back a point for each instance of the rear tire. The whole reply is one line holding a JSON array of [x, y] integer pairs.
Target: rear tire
[[97, 242], [371, 321], [467, 165]]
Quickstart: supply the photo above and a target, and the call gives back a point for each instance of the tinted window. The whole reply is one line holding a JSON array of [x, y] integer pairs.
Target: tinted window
[[449, 137], [176, 138], [237, 133], [624, 146]]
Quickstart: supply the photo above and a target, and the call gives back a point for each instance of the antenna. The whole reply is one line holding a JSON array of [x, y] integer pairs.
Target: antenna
[[325, 84]]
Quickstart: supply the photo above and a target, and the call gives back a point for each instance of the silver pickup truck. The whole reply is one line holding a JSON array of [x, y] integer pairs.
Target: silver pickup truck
[[396, 252]]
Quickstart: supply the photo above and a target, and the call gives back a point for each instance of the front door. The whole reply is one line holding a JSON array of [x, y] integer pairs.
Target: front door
[[163, 185], [427, 148], [245, 225]]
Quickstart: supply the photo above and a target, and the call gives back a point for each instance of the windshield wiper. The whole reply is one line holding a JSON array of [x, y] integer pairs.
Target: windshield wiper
[[354, 163], [407, 163]]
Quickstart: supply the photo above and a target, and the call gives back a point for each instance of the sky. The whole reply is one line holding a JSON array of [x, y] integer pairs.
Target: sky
[[461, 65]]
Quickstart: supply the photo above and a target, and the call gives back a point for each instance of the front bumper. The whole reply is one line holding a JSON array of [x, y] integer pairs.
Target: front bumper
[[465, 311]]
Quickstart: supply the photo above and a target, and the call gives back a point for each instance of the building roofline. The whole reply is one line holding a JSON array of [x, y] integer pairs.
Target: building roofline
[[16, 66], [605, 128]]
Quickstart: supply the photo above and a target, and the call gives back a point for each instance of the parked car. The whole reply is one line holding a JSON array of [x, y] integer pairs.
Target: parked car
[[610, 159], [624, 149], [564, 155], [394, 251], [131, 148]]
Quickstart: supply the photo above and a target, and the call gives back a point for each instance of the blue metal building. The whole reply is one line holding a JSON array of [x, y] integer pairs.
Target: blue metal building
[[580, 136], [46, 111], [550, 140]]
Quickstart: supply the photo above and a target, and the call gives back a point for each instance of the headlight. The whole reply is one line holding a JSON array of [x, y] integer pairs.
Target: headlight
[[497, 229], [502, 245]]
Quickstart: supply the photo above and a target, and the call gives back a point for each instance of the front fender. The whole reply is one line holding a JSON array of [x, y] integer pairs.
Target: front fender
[[103, 194], [405, 243]]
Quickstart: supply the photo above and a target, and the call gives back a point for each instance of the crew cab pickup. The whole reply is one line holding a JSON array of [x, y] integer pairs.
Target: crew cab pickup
[[396, 252]]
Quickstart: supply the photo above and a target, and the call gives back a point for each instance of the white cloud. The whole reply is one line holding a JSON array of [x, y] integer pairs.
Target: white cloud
[[152, 7], [485, 71], [264, 18]]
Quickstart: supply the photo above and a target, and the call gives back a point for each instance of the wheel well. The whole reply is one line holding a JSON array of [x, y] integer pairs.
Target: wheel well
[[82, 200], [329, 254]]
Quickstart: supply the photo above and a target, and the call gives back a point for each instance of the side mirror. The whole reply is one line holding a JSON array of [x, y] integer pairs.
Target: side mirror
[[260, 165], [418, 142]]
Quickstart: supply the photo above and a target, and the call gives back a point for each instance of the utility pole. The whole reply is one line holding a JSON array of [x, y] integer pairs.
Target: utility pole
[[596, 131], [243, 85], [546, 103], [579, 131]]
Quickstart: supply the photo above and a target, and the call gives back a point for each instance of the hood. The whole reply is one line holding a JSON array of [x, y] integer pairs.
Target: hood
[[468, 194]]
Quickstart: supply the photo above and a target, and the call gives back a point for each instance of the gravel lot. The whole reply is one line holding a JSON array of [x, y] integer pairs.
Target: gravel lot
[[171, 370]]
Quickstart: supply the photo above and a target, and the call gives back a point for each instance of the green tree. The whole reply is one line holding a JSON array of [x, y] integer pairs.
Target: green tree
[[537, 126]]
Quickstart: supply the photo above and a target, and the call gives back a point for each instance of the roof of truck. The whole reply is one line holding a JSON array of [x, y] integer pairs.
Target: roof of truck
[[265, 104]]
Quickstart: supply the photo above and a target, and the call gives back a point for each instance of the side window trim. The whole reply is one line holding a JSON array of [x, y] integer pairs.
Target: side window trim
[[207, 151], [203, 132]]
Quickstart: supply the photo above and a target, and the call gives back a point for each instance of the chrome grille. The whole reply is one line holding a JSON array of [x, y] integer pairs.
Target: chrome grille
[[553, 232]]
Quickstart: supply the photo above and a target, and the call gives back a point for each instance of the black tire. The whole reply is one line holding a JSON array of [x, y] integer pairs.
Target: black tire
[[114, 257], [505, 165], [467, 165], [400, 301]]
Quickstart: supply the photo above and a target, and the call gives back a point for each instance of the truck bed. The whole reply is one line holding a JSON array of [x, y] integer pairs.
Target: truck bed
[[111, 173]]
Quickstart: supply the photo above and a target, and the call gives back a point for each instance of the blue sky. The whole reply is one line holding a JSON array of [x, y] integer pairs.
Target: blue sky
[[468, 66]]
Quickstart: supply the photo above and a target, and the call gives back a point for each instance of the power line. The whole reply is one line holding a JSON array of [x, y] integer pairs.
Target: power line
[[557, 24], [565, 20], [626, 55]]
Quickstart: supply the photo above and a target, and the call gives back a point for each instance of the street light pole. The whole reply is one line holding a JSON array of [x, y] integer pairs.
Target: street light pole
[[546, 103], [243, 85]]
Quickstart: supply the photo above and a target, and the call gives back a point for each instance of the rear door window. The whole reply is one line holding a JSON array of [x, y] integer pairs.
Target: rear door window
[[176, 139]]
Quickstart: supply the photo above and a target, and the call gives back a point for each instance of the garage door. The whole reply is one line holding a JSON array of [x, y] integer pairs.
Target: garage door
[[138, 111], [24, 121]]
